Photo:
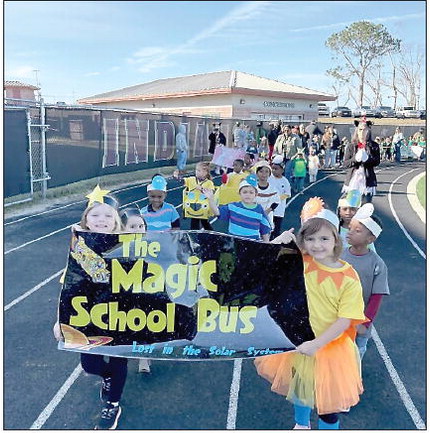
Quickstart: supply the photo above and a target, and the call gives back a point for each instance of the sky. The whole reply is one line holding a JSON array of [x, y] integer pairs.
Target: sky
[[76, 49]]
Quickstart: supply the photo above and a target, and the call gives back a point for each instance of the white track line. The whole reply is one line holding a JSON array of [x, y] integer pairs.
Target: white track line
[[46, 413], [390, 201], [404, 395], [234, 395], [36, 240], [34, 289]]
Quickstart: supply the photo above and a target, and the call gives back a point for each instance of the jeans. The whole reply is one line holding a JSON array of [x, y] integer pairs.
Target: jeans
[[288, 169], [182, 159], [299, 183], [361, 342], [116, 369]]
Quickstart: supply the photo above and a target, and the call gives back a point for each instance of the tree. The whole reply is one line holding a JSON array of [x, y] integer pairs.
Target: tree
[[360, 45], [409, 65]]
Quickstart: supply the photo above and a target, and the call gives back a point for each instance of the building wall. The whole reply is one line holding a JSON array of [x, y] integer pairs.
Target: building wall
[[19, 93], [228, 106]]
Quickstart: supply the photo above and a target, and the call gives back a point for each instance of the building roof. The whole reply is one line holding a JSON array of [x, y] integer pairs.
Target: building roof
[[208, 83], [20, 84]]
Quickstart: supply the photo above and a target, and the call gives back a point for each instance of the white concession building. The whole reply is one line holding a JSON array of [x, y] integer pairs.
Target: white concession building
[[223, 95]]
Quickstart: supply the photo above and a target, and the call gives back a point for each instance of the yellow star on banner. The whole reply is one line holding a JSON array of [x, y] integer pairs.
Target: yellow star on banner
[[96, 195]]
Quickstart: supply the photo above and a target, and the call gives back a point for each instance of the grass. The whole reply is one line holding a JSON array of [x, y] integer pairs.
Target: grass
[[421, 191], [76, 191]]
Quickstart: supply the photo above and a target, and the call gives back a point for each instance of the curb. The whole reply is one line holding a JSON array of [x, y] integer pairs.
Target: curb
[[413, 199]]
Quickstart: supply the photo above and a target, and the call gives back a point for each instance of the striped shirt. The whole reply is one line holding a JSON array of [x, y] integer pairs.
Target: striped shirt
[[249, 221], [162, 219]]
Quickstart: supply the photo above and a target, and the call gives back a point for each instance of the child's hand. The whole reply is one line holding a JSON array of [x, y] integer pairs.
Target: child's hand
[[308, 348], [285, 237], [208, 193], [57, 332], [268, 210], [176, 174]]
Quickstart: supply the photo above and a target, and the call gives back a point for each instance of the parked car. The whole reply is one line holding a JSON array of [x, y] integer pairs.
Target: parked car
[[323, 110], [408, 112], [341, 112], [385, 111], [365, 110]]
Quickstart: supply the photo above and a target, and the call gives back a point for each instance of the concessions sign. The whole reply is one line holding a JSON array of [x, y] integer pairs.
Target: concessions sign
[[187, 295]]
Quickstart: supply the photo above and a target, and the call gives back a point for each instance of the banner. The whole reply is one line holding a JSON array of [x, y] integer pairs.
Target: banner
[[225, 156], [187, 295]]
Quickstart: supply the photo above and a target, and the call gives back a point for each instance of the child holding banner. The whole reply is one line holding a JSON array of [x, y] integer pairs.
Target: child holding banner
[[132, 222], [158, 214], [246, 218], [324, 372], [101, 216]]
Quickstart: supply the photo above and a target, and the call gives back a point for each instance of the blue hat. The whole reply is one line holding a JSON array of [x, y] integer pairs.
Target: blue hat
[[250, 180], [158, 183]]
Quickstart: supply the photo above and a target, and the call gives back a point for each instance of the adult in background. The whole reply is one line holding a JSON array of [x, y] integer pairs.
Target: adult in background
[[361, 156], [397, 143], [313, 129], [216, 138], [287, 145], [272, 137], [181, 149]]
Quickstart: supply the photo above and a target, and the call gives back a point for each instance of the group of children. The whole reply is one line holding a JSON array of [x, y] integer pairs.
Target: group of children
[[345, 281]]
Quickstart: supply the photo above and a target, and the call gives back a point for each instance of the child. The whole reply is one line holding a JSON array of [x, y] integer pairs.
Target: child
[[283, 187], [246, 218], [194, 184], [323, 372], [364, 229], [101, 216], [299, 171], [313, 164], [267, 195], [347, 206], [158, 214], [132, 222], [248, 162], [228, 192]]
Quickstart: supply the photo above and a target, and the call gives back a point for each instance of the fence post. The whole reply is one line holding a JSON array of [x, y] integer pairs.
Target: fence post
[[43, 148]]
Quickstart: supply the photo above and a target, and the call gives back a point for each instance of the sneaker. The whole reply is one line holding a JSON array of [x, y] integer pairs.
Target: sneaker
[[144, 366], [302, 427], [109, 417], [105, 389]]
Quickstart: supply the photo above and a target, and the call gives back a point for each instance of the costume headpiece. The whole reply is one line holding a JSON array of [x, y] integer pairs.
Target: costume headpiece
[[314, 208], [351, 199], [260, 164], [363, 216], [158, 183], [278, 160], [98, 195], [250, 180], [129, 212]]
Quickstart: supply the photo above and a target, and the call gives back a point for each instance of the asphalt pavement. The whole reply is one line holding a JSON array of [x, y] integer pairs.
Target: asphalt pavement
[[45, 388]]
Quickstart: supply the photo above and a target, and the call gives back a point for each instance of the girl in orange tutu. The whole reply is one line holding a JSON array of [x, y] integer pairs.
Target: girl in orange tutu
[[325, 372]]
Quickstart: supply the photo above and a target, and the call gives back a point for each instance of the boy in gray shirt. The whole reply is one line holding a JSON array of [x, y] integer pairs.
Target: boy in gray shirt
[[364, 229]]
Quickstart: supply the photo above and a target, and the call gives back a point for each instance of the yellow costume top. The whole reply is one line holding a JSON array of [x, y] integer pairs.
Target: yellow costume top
[[195, 204]]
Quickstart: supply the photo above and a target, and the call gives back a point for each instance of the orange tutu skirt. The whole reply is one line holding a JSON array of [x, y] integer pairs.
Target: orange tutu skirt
[[330, 380]]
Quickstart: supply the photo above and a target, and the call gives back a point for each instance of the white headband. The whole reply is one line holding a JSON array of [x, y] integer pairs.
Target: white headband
[[363, 216]]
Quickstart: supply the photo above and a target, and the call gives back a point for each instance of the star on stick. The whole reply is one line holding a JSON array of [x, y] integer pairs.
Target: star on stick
[[96, 195]]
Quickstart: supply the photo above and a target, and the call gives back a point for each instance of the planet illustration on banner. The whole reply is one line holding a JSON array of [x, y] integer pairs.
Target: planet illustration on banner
[[74, 339]]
